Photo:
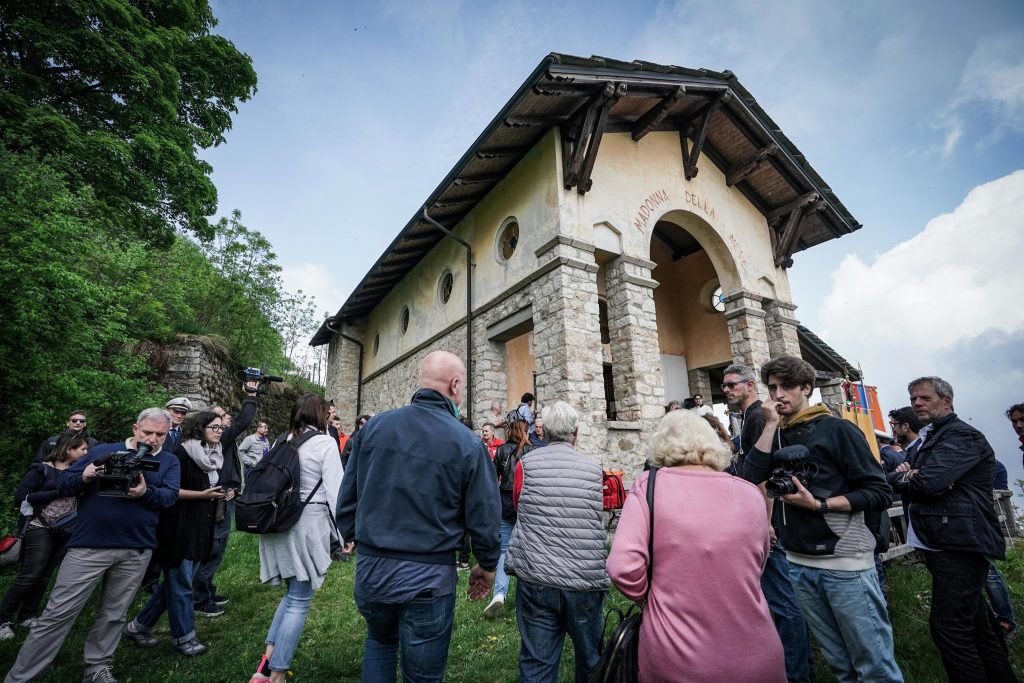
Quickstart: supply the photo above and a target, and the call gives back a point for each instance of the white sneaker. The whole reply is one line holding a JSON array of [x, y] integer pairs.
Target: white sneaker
[[29, 623], [495, 606], [6, 632]]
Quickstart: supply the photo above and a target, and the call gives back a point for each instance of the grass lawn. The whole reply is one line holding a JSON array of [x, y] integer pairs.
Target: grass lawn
[[481, 649]]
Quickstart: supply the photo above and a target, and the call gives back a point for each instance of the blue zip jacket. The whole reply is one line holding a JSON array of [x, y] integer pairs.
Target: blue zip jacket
[[417, 480], [107, 522]]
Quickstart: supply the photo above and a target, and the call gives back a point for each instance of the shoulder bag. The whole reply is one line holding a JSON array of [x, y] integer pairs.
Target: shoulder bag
[[619, 661]]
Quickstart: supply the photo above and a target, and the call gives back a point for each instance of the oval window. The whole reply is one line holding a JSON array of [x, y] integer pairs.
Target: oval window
[[508, 239], [718, 299], [376, 343], [403, 321], [444, 286]]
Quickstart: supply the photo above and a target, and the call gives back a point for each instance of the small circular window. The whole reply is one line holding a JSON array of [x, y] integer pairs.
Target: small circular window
[[718, 299], [403, 321], [444, 286], [376, 343], [508, 239]]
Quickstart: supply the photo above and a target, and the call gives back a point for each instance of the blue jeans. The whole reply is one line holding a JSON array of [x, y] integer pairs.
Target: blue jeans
[[175, 598], [545, 614], [847, 613], [286, 628], [500, 577], [422, 628], [999, 596], [788, 617]]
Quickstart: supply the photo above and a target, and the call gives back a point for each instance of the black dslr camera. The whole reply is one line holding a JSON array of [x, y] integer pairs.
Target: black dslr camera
[[789, 462], [257, 375], [122, 470]]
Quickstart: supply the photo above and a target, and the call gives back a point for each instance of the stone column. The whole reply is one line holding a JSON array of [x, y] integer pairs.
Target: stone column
[[832, 395], [341, 379], [633, 328], [700, 383], [567, 337], [781, 326], [748, 334]]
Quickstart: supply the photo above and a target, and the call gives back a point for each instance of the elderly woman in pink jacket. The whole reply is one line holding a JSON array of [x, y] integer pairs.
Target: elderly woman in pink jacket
[[706, 619]]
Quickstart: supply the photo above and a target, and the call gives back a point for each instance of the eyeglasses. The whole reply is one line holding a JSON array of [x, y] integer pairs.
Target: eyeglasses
[[217, 428], [77, 420], [729, 385]]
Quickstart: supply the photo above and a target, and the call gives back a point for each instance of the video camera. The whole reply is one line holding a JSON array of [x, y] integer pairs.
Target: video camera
[[257, 375], [122, 470], [789, 462]]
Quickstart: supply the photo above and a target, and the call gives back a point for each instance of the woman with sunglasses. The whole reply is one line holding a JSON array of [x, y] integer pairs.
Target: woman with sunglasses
[[42, 545], [185, 536]]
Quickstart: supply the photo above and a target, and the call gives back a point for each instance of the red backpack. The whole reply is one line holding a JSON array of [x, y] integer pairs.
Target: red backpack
[[614, 490]]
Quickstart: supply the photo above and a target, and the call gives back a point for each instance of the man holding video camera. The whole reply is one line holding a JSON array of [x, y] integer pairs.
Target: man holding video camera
[[113, 538], [826, 480]]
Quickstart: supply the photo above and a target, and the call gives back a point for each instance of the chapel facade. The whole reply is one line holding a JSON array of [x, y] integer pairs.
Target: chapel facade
[[619, 233]]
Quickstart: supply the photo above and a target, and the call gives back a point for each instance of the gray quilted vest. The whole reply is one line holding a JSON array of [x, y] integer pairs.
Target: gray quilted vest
[[559, 538]]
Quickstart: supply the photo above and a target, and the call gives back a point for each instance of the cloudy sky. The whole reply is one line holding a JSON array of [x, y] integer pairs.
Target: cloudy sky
[[913, 112]]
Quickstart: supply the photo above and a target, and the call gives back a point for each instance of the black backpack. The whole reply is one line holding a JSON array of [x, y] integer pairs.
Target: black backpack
[[270, 501]]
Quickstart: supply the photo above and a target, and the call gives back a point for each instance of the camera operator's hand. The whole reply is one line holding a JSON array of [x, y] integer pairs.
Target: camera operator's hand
[[770, 412], [138, 490], [91, 471], [251, 387], [802, 498]]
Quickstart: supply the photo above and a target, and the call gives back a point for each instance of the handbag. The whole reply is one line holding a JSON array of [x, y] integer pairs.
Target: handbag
[[59, 515], [10, 550], [619, 661]]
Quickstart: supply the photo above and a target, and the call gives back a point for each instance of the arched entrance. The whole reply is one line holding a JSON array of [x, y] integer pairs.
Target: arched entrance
[[695, 272]]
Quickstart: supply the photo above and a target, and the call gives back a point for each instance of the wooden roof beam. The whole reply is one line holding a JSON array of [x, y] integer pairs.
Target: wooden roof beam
[[585, 183], [691, 155], [785, 244], [479, 179], [578, 133], [803, 200], [656, 114], [499, 153], [743, 169], [452, 203]]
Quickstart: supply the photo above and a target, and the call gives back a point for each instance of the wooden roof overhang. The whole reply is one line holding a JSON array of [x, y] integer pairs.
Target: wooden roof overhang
[[587, 97]]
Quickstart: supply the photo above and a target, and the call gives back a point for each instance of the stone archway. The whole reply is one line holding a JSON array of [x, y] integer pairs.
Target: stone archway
[[696, 272]]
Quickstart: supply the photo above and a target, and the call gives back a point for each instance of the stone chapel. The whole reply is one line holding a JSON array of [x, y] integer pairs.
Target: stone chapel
[[617, 235]]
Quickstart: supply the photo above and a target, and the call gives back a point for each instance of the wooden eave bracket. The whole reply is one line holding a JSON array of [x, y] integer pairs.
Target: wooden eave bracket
[[796, 213], [656, 114], [581, 138], [692, 153]]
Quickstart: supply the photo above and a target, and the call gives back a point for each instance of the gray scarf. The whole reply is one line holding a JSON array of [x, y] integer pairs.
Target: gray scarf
[[208, 457]]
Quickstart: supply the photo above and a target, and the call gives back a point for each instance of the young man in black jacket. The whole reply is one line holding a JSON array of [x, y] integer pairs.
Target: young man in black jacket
[[76, 425], [953, 523], [829, 544]]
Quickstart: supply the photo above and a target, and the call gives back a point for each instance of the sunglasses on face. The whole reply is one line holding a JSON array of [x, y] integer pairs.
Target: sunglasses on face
[[77, 420]]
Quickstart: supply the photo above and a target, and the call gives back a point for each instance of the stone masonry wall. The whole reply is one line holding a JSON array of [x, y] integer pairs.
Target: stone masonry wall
[[202, 370]]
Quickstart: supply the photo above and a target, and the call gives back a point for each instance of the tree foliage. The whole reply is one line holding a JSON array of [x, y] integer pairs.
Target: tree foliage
[[105, 244], [120, 95]]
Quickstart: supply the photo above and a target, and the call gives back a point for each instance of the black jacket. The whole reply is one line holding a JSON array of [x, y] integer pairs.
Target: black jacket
[[950, 497], [845, 467], [231, 471], [505, 461], [185, 530], [48, 445], [417, 481]]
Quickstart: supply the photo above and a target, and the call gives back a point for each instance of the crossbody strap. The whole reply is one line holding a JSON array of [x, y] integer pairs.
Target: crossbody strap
[[650, 537]]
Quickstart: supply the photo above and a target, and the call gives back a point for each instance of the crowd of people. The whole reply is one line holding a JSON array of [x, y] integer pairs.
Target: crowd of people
[[749, 543]]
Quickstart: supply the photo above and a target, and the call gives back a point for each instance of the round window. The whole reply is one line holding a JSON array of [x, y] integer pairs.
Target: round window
[[718, 299], [403, 321], [508, 239], [376, 343], [444, 286]]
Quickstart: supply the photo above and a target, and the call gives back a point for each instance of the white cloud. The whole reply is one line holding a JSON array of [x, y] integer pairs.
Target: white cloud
[[944, 302], [993, 78], [315, 280]]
